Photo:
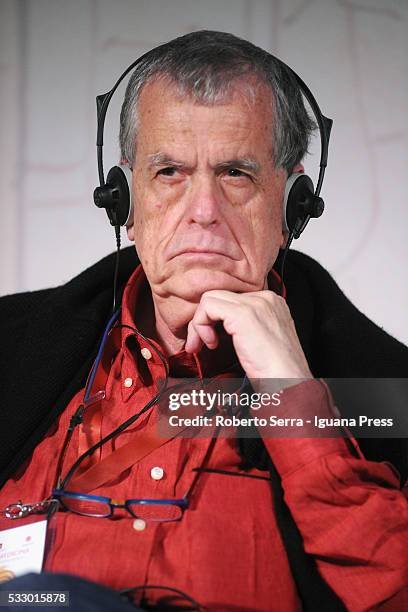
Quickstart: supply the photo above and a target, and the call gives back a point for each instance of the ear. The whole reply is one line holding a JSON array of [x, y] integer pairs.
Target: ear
[[130, 229], [299, 168], [284, 239]]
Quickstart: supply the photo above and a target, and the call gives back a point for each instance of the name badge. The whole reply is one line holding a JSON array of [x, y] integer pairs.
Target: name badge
[[22, 550]]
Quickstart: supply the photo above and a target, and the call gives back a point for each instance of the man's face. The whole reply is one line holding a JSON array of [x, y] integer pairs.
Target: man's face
[[208, 199]]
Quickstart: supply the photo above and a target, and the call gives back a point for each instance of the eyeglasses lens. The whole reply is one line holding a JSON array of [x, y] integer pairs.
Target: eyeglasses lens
[[86, 507]]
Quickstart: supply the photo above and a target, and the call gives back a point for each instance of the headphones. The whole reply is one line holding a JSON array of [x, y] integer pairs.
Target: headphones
[[301, 201]]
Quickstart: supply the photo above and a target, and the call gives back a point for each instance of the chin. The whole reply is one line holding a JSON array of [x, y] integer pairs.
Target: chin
[[191, 284]]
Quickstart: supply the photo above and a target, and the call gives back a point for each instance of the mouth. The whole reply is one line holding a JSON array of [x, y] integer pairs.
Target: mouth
[[205, 253]]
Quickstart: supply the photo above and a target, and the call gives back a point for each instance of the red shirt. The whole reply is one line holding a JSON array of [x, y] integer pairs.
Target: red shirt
[[227, 550]]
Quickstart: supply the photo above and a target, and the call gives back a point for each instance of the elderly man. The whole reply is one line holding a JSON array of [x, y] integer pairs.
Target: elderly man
[[211, 135]]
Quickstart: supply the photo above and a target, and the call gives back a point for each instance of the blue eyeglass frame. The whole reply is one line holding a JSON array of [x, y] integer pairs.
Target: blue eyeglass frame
[[181, 503]]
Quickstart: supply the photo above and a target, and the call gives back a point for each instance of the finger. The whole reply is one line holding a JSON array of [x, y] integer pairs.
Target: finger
[[210, 311], [224, 295], [199, 334], [193, 342], [201, 328], [208, 335]]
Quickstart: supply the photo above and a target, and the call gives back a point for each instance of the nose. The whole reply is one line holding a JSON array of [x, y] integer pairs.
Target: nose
[[205, 201]]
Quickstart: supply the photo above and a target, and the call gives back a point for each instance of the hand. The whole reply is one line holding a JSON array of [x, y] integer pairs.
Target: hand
[[262, 330]]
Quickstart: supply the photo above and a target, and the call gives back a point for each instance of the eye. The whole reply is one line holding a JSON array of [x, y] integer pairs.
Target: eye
[[235, 172], [237, 177], [168, 171]]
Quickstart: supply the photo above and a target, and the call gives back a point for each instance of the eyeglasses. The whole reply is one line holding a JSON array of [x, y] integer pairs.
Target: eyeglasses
[[159, 510], [149, 510]]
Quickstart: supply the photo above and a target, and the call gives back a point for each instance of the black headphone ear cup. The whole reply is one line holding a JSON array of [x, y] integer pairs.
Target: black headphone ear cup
[[298, 187], [121, 194], [114, 196]]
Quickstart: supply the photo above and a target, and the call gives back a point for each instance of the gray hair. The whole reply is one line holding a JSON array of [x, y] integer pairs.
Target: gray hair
[[207, 66]]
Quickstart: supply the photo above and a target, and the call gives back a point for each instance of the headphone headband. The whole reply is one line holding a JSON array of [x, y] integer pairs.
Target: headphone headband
[[323, 122]]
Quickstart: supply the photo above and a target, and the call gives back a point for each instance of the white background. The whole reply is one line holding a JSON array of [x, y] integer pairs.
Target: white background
[[56, 56]]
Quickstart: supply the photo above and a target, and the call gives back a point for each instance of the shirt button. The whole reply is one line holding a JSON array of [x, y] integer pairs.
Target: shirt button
[[128, 382], [157, 473], [139, 524], [146, 353]]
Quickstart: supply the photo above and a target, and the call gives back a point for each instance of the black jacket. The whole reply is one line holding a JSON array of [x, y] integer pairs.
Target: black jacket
[[49, 339]]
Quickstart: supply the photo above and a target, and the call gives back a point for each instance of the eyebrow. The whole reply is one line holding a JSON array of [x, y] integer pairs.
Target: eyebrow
[[244, 163], [162, 159]]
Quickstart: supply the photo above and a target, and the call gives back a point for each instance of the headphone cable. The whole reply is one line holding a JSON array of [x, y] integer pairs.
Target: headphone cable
[[116, 273], [283, 259]]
